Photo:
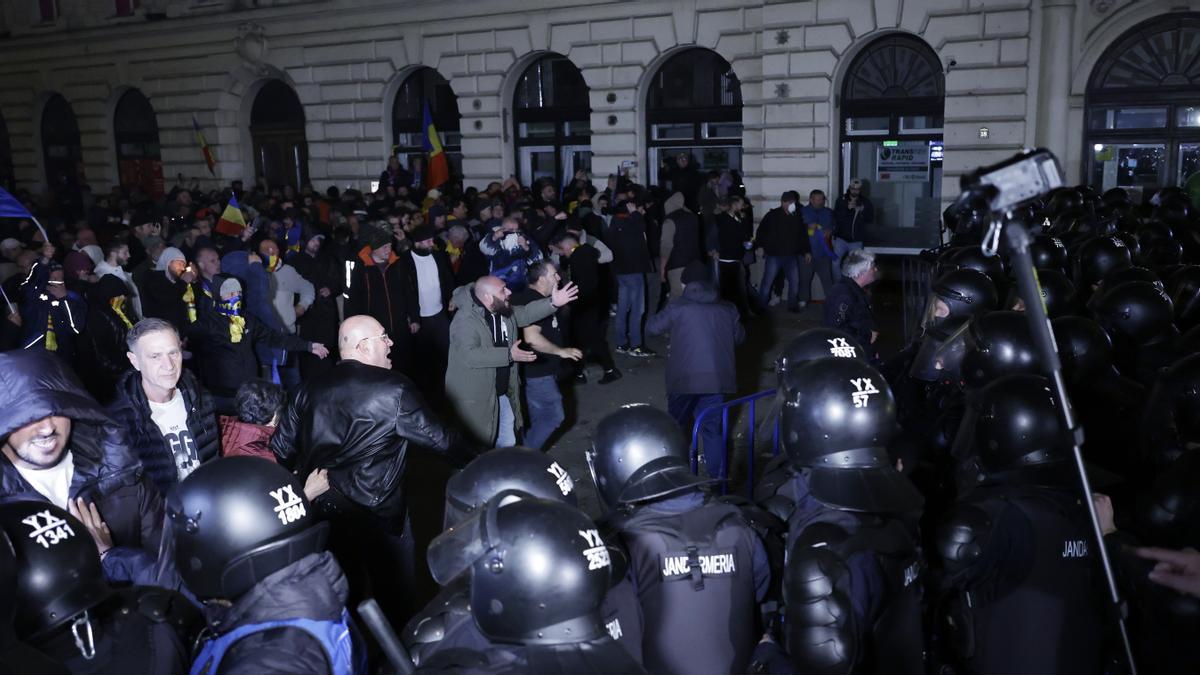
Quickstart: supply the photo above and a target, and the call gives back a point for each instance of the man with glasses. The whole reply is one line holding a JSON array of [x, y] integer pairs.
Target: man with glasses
[[357, 421]]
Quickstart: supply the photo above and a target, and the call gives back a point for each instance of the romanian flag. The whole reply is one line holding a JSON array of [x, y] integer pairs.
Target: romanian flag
[[209, 159], [232, 221], [438, 170]]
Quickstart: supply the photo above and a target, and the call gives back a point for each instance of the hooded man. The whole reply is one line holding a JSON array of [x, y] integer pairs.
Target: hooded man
[[59, 446], [681, 242], [169, 291], [52, 316]]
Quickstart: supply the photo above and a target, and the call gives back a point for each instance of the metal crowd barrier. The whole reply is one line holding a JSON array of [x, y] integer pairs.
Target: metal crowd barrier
[[723, 410]]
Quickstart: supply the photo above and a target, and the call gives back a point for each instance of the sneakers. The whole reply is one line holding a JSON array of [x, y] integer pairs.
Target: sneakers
[[624, 349], [610, 376], [643, 351]]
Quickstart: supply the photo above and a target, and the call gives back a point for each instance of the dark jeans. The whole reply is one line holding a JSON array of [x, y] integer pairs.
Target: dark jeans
[[823, 268], [587, 326], [631, 306], [431, 345], [733, 285], [772, 266], [684, 407], [545, 404]]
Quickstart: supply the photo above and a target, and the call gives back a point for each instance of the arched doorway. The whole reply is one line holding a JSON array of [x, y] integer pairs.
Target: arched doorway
[[277, 132], [7, 175], [1143, 107], [694, 107], [552, 126], [61, 148], [135, 131], [892, 107], [426, 85]]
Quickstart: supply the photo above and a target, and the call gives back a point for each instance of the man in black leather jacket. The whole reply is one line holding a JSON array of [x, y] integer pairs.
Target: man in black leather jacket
[[357, 421]]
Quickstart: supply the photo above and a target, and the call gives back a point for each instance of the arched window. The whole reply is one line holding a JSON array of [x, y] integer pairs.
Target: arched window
[[552, 122], [426, 85], [892, 103], [60, 144], [277, 130], [7, 176], [135, 130], [693, 107], [1143, 107]]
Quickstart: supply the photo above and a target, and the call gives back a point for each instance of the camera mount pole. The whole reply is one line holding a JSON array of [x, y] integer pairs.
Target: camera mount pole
[[1021, 262]]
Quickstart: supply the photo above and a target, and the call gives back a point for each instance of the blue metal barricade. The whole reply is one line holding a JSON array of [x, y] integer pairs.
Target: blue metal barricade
[[723, 409]]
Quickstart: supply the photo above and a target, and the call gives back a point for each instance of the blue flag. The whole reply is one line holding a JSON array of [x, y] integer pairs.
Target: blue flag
[[11, 208]]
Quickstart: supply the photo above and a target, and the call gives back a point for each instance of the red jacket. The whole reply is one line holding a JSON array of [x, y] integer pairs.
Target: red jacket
[[243, 438]]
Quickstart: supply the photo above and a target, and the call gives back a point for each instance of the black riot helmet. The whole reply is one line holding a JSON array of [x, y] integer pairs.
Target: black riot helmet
[[638, 453], [1049, 252], [1019, 426], [1184, 288], [973, 258], [1083, 347], [1134, 273], [1058, 294], [1169, 513], [997, 343], [1134, 313], [956, 297], [1162, 254], [838, 418], [1097, 258], [1177, 391], [530, 471], [58, 572], [539, 569], [237, 520], [817, 343]]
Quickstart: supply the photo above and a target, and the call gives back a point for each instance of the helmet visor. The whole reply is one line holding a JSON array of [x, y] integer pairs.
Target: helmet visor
[[938, 360], [937, 311], [458, 548]]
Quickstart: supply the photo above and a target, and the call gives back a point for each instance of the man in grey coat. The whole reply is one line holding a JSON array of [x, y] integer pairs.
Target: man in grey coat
[[481, 383], [700, 357]]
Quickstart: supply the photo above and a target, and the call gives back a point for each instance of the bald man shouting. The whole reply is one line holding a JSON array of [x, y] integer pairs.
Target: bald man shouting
[[481, 381], [357, 420]]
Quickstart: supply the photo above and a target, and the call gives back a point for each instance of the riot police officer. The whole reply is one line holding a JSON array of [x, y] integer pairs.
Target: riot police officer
[[247, 542], [538, 571], [66, 609], [698, 566], [1016, 548], [852, 585], [446, 622], [1139, 317]]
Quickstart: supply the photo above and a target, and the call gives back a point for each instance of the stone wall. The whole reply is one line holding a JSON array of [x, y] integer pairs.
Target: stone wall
[[346, 60]]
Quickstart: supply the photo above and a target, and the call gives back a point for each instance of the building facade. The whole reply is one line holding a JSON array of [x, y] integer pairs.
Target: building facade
[[906, 94]]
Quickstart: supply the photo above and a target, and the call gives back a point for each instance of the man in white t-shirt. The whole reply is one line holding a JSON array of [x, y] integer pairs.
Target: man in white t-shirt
[[168, 416], [431, 281]]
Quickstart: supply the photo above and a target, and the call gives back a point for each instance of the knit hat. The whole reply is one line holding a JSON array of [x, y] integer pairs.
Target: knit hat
[[77, 262], [230, 285], [373, 236], [421, 233], [169, 254], [9, 244]]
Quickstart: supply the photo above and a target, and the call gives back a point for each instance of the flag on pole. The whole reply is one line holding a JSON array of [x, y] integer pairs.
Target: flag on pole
[[438, 170], [11, 207], [232, 221], [209, 158]]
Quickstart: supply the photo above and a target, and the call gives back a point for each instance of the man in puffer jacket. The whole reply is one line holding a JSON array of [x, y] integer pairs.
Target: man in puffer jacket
[[57, 445], [167, 416]]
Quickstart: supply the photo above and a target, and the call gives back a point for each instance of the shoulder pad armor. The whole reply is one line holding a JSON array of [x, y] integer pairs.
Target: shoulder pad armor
[[819, 625], [963, 536]]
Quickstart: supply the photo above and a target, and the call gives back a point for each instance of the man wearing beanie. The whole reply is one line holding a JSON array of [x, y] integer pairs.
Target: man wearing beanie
[[429, 285], [378, 289], [169, 291]]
